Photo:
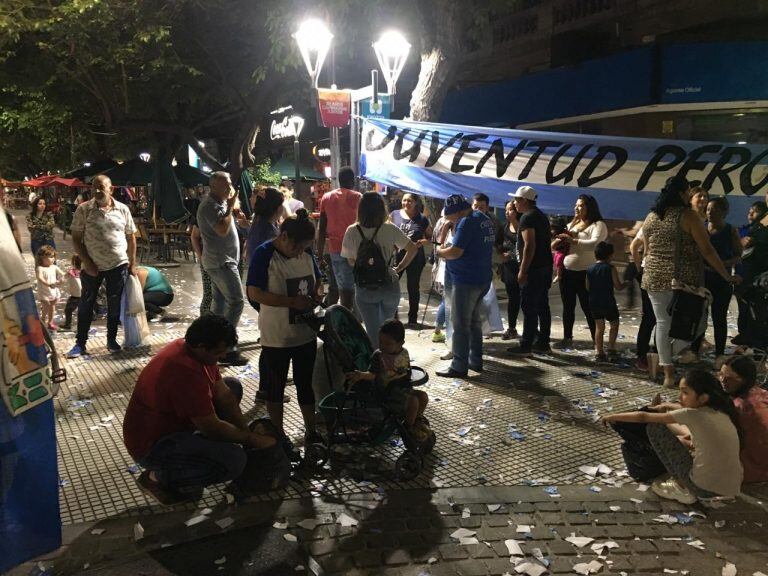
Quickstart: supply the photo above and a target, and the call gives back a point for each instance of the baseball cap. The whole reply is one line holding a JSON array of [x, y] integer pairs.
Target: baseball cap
[[526, 192], [455, 203]]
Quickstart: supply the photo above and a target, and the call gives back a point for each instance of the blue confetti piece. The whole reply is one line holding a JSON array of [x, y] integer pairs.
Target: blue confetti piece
[[551, 490], [463, 431], [515, 435], [133, 469], [683, 518], [63, 482]]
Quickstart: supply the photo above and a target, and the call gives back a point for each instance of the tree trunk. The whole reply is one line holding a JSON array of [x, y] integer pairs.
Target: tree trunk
[[439, 58]]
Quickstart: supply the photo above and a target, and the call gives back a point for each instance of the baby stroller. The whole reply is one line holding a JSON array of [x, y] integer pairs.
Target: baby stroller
[[351, 416]]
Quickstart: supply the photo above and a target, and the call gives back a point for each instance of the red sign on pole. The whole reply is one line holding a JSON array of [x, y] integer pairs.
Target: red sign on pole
[[335, 107]]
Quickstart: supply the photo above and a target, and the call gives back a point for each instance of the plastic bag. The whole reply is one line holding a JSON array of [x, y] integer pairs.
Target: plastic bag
[[134, 297], [133, 315]]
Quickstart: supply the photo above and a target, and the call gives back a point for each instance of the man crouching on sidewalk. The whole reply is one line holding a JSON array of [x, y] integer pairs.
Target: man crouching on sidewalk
[[183, 424]]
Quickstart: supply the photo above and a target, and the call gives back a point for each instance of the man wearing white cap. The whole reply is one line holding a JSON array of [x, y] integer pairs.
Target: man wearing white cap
[[468, 265], [535, 275]]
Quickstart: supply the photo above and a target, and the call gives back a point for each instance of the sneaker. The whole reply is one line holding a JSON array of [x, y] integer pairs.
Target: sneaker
[[672, 490], [688, 357], [76, 351], [510, 335], [113, 346], [438, 337], [165, 496], [234, 358], [641, 364], [447, 356], [521, 351], [564, 343], [450, 373]]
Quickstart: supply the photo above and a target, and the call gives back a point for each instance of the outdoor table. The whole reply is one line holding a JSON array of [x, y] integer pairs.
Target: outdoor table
[[164, 249]]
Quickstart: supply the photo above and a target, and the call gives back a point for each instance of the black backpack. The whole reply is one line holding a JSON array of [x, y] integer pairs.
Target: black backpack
[[371, 270]]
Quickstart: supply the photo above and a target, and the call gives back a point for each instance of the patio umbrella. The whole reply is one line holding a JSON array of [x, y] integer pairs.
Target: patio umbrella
[[246, 189], [97, 167], [190, 176], [133, 172], [40, 181], [68, 182], [166, 199]]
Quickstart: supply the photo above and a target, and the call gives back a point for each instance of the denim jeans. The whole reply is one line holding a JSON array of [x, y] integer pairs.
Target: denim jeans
[[534, 302], [227, 292], [376, 306], [115, 279], [666, 347], [413, 282], [345, 278], [467, 319], [187, 461]]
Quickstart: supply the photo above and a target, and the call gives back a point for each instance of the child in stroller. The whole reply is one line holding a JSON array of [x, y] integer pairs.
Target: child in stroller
[[389, 376], [381, 403]]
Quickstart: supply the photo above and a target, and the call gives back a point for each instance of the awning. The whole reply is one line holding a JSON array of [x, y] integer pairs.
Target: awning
[[625, 175], [287, 169]]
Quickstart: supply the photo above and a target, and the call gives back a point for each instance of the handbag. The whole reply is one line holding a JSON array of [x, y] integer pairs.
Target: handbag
[[689, 303]]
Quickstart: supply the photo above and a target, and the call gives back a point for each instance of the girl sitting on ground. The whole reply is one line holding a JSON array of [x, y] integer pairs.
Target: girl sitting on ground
[[738, 376], [697, 440]]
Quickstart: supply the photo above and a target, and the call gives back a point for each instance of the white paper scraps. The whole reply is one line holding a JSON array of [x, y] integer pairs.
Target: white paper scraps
[[468, 540], [220, 561], [636, 500], [225, 523], [600, 547], [693, 513], [196, 520], [588, 567], [308, 524], [460, 533], [614, 508], [314, 567], [280, 525], [759, 574], [98, 531], [729, 569], [530, 568], [579, 541], [346, 520], [493, 507], [666, 519], [523, 529], [539, 555], [289, 537], [108, 418], [514, 548], [669, 571], [300, 568], [229, 498], [719, 523], [138, 531], [697, 544], [431, 560], [603, 469], [465, 513], [589, 470], [642, 487]]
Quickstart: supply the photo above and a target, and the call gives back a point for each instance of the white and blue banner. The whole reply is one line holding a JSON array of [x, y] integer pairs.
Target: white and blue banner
[[623, 174]]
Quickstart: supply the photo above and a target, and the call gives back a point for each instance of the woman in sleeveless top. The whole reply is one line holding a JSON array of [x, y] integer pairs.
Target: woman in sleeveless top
[[725, 239], [670, 222], [584, 233], [506, 244]]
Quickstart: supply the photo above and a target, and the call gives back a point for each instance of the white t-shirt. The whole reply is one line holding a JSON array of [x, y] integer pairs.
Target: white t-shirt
[[716, 463], [269, 270], [389, 238], [582, 253], [50, 274], [104, 232]]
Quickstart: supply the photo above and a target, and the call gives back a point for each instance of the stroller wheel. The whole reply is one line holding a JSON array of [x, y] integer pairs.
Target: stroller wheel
[[316, 455], [408, 465], [429, 445]]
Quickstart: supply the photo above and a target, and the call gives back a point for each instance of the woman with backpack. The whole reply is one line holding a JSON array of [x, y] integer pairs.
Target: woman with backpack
[[370, 246]]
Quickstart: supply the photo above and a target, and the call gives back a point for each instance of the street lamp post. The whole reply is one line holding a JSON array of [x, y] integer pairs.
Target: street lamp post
[[297, 122], [314, 41]]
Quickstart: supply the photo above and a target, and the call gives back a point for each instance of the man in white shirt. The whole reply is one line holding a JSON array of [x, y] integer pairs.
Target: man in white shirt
[[103, 236]]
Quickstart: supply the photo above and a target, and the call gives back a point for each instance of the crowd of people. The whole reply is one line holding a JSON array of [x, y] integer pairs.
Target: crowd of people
[[688, 261]]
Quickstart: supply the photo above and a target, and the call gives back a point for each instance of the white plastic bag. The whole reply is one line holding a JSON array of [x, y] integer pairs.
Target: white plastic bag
[[133, 315], [134, 297]]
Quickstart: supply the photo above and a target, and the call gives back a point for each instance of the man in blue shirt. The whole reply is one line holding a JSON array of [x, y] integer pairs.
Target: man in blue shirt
[[469, 267]]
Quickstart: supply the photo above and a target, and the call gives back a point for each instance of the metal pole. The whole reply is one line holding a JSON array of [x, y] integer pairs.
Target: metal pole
[[335, 157], [354, 137], [298, 167]]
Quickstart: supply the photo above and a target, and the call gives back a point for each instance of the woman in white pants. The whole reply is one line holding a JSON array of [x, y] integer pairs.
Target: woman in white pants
[[671, 222]]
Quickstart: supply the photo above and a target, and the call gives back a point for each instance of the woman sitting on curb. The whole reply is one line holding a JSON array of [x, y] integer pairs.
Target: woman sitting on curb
[[738, 375]]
